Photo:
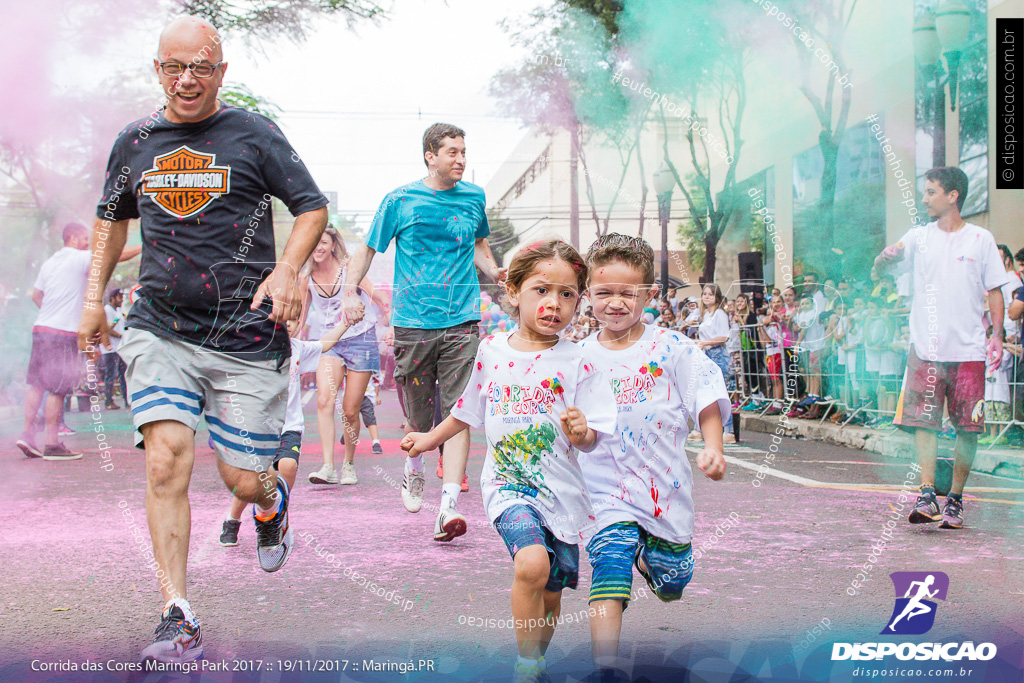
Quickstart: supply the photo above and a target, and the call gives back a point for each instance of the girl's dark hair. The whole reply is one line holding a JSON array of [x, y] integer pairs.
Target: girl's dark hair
[[526, 260]]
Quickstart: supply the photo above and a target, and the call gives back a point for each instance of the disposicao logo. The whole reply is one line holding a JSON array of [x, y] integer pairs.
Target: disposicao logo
[[914, 614]]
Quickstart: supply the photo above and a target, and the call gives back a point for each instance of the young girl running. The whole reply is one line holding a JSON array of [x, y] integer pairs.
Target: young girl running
[[538, 402], [350, 362], [640, 483]]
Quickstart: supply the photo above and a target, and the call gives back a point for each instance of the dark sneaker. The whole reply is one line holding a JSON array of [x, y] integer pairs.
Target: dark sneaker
[[112, 405], [952, 514], [177, 639], [59, 452], [229, 532], [274, 536], [377, 449], [27, 443], [926, 510]]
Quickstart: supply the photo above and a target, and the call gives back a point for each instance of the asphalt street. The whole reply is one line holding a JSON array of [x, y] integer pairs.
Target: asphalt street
[[802, 525]]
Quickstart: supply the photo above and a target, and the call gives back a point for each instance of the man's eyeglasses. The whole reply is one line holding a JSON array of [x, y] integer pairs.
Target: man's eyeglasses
[[615, 238], [202, 70]]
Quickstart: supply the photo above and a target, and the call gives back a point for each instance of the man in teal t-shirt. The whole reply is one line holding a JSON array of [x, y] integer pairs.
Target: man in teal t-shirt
[[439, 226]]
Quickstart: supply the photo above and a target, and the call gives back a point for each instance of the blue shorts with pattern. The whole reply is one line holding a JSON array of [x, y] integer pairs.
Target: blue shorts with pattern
[[521, 526], [613, 551]]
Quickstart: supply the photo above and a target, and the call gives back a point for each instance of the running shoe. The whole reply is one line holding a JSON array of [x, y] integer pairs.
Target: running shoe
[[465, 483], [412, 491], [776, 409], [728, 437], [607, 676], [377, 450], [348, 474], [440, 467], [449, 524], [274, 536], [178, 639], [952, 514], [229, 532], [112, 405], [926, 510], [27, 443], [64, 430], [59, 452], [531, 673], [695, 435], [324, 475]]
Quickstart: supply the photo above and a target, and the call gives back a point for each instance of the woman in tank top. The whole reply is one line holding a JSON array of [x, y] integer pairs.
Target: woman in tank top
[[351, 361]]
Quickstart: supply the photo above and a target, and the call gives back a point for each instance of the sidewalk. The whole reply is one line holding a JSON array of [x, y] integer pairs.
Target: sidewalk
[[1001, 461]]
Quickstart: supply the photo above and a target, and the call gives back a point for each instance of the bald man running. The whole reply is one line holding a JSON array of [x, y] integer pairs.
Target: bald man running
[[207, 334]]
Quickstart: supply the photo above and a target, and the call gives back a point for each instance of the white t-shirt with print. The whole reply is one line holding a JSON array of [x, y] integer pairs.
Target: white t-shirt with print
[[305, 358], [115, 320], [62, 280], [713, 325], [661, 383], [529, 460], [814, 333], [951, 273]]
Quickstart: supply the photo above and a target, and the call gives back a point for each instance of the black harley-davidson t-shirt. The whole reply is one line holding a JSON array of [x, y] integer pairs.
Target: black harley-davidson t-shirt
[[203, 191]]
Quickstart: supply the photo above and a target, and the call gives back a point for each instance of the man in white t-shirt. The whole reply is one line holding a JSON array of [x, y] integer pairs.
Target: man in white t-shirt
[[812, 290], [54, 365], [953, 263], [111, 365]]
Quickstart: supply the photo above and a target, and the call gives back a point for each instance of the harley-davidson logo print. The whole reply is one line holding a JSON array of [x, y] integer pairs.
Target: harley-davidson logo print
[[184, 182]]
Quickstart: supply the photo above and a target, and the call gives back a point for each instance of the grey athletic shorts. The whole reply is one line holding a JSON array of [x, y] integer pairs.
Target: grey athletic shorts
[[243, 401], [428, 358]]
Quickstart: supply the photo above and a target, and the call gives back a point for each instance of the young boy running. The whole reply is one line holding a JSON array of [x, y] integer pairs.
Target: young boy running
[[305, 358], [641, 483]]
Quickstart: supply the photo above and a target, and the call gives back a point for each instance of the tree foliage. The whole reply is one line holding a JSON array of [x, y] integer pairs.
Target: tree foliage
[[268, 20]]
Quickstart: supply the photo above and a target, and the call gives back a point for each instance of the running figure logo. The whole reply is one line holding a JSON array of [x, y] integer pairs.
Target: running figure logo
[[914, 613]]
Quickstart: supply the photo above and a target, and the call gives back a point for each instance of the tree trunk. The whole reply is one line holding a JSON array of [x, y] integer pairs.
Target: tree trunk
[[710, 258], [827, 202], [574, 193]]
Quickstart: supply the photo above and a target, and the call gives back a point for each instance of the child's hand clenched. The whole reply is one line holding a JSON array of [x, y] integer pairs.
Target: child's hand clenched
[[574, 424], [711, 463], [415, 443]]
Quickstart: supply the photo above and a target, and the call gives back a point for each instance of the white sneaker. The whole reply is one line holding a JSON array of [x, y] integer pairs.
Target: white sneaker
[[324, 475], [728, 437], [348, 474], [449, 524], [695, 435], [412, 491]]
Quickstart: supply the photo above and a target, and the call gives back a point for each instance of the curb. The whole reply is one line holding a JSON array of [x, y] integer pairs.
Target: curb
[[1003, 462]]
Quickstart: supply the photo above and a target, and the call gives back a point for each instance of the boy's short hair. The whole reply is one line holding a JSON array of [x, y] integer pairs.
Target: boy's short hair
[[950, 178], [633, 251]]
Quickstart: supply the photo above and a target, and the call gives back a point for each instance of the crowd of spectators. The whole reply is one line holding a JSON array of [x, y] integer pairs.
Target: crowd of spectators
[[832, 349]]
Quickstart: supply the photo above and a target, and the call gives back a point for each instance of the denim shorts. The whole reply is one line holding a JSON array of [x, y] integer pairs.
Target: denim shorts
[[359, 353], [613, 551], [521, 526]]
